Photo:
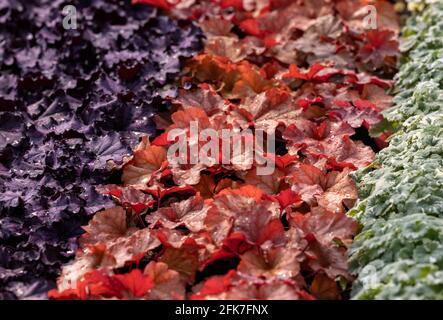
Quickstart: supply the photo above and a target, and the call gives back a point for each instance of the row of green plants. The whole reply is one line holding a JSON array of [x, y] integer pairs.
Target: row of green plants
[[398, 253]]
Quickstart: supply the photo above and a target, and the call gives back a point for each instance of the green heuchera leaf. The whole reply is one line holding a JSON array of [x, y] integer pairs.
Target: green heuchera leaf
[[399, 252], [401, 280], [426, 98], [430, 66], [410, 177], [417, 237]]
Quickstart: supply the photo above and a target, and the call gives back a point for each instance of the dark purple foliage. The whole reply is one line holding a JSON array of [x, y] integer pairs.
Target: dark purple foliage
[[72, 102]]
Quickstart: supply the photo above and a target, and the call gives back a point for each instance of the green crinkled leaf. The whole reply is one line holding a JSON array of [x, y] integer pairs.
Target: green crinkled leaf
[[401, 280], [399, 252], [417, 237]]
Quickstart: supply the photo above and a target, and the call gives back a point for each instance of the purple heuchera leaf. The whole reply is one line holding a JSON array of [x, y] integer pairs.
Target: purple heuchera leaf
[[72, 102]]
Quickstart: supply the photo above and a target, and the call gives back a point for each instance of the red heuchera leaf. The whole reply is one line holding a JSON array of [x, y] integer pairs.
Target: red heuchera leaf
[[234, 286], [146, 166], [377, 96], [208, 187], [92, 257], [325, 288], [205, 98], [309, 75], [330, 140], [237, 4], [333, 191], [315, 137], [123, 242], [269, 109], [183, 118], [235, 80], [184, 260], [355, 11], [283, 162], [106, 225], [233, 48], [130, 197], [306, 181], [387, 17], [185, 171], [161, 192], [320, 38], [127, 249], [326, 226], [357, 114], [379, 46], [98, 285], [340, 191], [348, 153], [156, 282], [268, 263], [252, 27], [191, 213], [135, 283], [339, 151], [215, 285], [162, 140], [330, 259], [269, 184], [321, 73], [167, 283], [288, 198], [243, 210]]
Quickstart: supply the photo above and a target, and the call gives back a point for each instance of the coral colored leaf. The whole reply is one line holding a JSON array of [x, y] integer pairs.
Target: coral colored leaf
[[97, 284], [184, 260], [325, 288], [333, 191], [326, 226], [191, 213], [145, 166], [330, 259], [234, 286], [243, 210], [295, 73], [122, 242], [167, 283], [287, 198], [106, 225], [94, 256], [380, 45], [315, 138], [269, 184], [340, 191], [269, 109], [126, 249], [135, 283], [278, 262], [252, 27], [205, 98], [137, 200]]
